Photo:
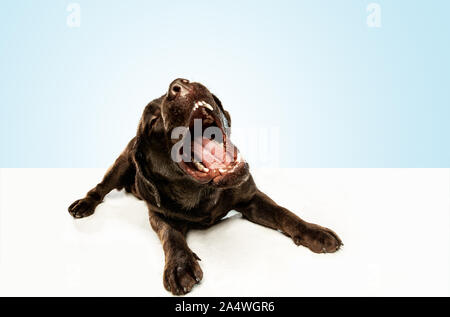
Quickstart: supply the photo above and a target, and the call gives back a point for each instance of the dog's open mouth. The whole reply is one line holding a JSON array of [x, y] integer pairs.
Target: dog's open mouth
[[212, 156]]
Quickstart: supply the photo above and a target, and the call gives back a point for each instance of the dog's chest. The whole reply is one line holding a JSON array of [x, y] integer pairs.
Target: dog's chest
[[202, 207]]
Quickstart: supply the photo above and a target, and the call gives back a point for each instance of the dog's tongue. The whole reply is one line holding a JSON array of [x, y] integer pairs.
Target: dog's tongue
[[211, 153]]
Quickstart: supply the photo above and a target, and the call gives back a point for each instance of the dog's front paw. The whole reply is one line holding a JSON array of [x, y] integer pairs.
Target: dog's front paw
[[83, 207], [181, 273], [318, 239]]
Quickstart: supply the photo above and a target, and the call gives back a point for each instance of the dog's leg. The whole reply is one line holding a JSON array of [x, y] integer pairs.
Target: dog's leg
[[264, 211], [181, 271], [113, 179]]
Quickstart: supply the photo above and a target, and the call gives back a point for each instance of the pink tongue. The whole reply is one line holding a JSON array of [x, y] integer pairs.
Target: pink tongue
[[212, 154]]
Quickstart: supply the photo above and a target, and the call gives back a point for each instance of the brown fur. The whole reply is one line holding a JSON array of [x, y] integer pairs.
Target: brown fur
[[177, 203]]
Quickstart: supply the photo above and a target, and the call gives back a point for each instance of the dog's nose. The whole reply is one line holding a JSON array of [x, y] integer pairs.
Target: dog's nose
[[179, 87]]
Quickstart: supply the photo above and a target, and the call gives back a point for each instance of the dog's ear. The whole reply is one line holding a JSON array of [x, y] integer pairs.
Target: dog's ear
[[219, 103], [148, 119], [146, 186]]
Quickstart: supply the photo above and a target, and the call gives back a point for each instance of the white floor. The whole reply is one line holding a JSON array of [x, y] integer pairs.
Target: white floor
[[395, 224]]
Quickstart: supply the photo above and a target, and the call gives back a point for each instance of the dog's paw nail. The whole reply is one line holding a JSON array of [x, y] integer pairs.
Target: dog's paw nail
[[324, 250], [197, 279], [185, 289]]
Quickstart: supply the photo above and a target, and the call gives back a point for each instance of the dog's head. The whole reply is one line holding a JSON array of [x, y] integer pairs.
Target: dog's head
[[197, 130]]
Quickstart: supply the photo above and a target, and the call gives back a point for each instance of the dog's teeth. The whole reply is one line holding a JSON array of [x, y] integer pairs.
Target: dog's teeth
[[222, 170], [207, 105], [200, 166]]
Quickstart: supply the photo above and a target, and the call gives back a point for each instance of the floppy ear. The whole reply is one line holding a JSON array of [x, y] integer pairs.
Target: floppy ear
[[219, 103], [146, 186], [148, 119]]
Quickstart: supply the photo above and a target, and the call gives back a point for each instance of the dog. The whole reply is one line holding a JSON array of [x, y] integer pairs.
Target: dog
[[192, 181]]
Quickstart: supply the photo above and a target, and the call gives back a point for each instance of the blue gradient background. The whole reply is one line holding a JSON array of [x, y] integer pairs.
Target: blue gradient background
[[343, 94]]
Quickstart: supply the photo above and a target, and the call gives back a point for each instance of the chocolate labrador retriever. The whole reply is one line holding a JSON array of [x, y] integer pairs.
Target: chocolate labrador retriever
[[191, 180]]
